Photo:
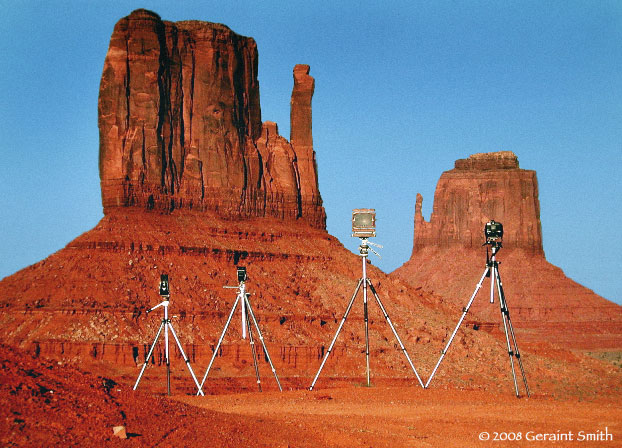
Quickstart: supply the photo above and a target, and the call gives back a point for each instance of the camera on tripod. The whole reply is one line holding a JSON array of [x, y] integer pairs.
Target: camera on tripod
[[363, 222], [164, 291], [493, 231]]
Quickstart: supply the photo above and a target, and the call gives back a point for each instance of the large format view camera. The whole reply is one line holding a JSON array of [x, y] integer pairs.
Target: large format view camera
[[363, 222], [493, 231]]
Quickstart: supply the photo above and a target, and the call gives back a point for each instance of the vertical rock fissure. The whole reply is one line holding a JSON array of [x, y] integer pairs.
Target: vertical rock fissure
[[298, 187], [191, 106], [202, 180], [260, 174], [127, 82], [163, 102], [143, 148], [180, 114], [173, 112]]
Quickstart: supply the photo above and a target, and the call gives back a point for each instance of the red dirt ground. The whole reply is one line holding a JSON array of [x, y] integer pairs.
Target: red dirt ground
[[47, 403]]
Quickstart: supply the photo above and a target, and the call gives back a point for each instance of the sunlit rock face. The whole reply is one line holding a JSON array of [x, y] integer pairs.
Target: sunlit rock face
[[179, 121], [481, 188]]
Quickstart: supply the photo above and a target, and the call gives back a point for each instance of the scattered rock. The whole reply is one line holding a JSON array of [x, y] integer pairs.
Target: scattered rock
[[119, 431]]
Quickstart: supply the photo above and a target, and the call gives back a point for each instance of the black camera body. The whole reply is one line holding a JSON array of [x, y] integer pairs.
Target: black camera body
[[493, 231], [164, 289], [242, 274]]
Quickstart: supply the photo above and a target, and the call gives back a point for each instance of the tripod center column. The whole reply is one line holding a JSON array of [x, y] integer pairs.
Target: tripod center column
[[364, 259]]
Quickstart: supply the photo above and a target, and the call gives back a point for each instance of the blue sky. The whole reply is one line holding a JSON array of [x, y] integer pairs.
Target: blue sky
[[403, 89]]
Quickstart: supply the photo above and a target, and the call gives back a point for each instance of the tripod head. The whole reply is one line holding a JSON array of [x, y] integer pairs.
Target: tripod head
[[164, 303], [364, 247], [496, 245], [241, 286]]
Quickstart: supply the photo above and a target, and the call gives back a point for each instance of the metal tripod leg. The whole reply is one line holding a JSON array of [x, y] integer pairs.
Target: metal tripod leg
[[254, 351], [366, 318], [388, 319], [464, 313], [155, 340], [185, 358], [343, 319], [224, 330], [263, 344], [511, 328], [167, 353], [493, 266], [503, 310]]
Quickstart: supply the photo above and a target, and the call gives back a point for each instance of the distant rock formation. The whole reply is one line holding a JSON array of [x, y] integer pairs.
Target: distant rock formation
[[180, 120], [448, 259], [481, 188]]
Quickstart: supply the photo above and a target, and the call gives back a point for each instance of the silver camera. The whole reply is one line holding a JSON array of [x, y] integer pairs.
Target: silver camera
[[363, 222]]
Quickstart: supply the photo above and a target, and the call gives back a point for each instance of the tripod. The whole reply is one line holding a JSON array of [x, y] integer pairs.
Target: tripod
[[166, 325], [364, 251], [492, 271], [247, 311]]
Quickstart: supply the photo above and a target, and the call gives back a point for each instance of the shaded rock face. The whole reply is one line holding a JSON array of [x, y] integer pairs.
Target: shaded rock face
[[478, 189], [179, 120], [282, 177], [447, 257]]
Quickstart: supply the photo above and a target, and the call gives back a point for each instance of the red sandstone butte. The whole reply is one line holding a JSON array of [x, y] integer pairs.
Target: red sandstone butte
[[448, 257], [180, 120], [480, 188]]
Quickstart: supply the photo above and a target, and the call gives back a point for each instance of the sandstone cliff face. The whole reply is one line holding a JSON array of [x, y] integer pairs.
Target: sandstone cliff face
[[448, 259], [478, 189], [179, 118]]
